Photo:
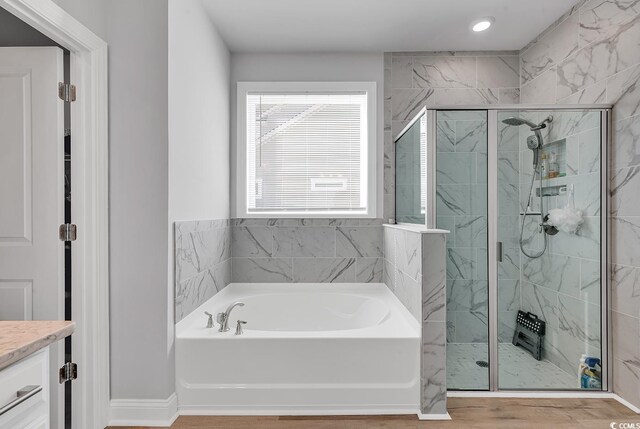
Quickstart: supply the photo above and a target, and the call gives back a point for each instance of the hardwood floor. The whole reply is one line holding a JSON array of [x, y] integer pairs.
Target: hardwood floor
[[474, 413]]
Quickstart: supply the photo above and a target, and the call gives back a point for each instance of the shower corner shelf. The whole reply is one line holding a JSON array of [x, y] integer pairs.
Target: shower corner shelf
[[552, 191]]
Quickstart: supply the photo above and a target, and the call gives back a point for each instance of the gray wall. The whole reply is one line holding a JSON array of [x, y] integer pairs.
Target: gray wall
[[199, 164], [91, 13], [142, 362], [142, 365], [592, 55]]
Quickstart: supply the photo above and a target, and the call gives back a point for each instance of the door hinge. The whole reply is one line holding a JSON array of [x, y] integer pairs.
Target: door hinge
[[68, 232], [68, 372], [66, 92]]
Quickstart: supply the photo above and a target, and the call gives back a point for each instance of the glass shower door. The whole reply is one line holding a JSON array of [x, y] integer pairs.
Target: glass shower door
[[461, 208], [549, 222], [411, 173]]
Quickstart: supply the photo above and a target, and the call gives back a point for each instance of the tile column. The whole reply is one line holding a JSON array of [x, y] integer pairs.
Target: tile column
[[433, 383]]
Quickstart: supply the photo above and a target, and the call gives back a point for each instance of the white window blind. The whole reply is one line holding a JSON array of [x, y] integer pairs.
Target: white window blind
[[306, 152]]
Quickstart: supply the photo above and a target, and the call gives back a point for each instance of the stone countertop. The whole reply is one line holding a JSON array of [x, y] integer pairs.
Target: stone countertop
[[19, 339]]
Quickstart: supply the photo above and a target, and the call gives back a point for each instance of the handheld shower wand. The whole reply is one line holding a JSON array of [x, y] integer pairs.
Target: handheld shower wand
[[534, 143]]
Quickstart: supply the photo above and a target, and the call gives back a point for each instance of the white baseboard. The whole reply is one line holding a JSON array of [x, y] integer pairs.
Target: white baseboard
[[444, 416], [626, 403], [329, 410], [143, 412]]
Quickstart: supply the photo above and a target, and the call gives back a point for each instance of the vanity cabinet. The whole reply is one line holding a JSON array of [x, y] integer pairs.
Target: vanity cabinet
[[24, 393]]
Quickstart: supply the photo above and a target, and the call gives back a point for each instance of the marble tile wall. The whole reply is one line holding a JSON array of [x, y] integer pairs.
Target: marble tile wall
[[415, 271], [592, 55], [434, 324], [461, 186], [202, 262], [307, 250], [413, 80], [403, 267], [563, 286]]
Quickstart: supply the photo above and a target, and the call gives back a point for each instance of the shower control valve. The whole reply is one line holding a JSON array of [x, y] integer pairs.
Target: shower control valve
[[548, 228]]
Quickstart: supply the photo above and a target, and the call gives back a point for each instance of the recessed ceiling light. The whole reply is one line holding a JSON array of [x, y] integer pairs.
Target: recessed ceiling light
[[482, 24]]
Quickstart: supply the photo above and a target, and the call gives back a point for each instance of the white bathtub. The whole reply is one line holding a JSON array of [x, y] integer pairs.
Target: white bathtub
[[306, 349]]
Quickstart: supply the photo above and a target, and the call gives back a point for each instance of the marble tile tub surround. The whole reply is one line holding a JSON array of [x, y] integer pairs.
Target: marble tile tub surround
[[413, 80], [600, 42], [307, 250], [202, 262], [415, 271]]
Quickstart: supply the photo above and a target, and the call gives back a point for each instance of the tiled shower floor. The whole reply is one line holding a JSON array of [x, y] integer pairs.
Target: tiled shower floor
[[517, 369]]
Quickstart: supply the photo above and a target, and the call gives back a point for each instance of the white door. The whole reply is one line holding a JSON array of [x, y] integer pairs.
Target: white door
[[31, 193]]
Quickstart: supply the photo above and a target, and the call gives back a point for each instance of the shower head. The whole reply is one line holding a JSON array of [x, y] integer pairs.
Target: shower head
[[516, 122], [534, 142]]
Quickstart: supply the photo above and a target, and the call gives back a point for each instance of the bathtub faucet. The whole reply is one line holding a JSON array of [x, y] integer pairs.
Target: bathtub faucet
[[223, 318]]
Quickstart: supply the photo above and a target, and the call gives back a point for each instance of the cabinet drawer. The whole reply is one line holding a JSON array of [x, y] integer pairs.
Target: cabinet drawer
[[29, 377]]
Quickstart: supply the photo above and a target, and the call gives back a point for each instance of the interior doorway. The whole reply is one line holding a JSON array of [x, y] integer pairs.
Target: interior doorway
[[37, 154], [41, 38]]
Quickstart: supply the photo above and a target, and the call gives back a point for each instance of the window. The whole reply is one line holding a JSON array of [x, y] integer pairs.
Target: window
[[306, 149]]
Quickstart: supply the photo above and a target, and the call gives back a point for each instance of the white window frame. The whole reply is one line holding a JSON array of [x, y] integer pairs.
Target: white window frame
[[370, 172]]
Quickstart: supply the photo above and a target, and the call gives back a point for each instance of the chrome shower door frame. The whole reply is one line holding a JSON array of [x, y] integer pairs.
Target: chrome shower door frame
[[492, 225]]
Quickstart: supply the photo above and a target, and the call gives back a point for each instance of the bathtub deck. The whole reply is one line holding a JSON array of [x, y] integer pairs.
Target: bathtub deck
[[480, 413]]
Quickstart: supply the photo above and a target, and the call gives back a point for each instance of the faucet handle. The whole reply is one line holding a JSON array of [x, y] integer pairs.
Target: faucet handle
[[210, 321], [239, 330]]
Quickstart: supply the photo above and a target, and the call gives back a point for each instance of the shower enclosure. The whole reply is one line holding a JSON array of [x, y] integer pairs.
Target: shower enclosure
[[522, 191]]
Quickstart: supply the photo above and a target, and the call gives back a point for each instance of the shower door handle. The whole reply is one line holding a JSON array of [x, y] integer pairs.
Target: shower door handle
[[499, 251]]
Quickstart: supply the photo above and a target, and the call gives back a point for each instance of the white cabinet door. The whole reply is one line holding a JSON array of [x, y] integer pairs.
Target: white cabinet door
[[30, 409], [32, 191]]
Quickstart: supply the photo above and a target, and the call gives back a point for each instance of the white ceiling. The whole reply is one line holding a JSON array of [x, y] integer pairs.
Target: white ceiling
[[379, 25]]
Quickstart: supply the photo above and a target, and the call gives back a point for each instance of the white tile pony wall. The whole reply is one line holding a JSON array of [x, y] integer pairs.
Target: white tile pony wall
[[202, 262], [592, 55], [403, 267], [415, 271], [434, 324]]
